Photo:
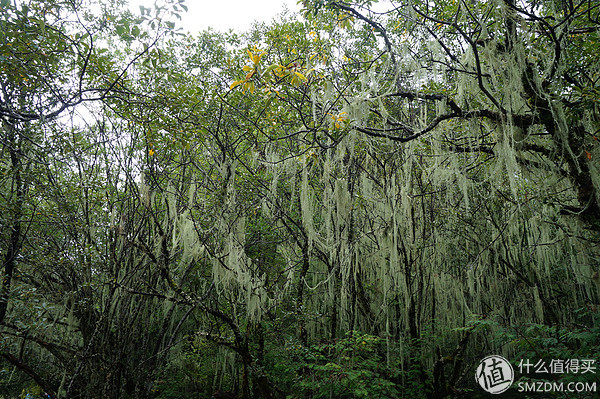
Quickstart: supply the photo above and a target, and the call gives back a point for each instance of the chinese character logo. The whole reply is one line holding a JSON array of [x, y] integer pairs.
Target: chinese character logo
[[495, 374]]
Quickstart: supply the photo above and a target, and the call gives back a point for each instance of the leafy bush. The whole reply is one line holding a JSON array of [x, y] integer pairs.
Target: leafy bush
[[547, 343], [352, 367]]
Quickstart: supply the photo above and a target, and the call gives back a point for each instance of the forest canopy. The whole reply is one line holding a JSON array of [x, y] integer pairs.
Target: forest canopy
[[361, 201]]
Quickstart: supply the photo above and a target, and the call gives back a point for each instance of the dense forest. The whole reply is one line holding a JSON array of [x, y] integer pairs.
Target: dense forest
[[359, 201]]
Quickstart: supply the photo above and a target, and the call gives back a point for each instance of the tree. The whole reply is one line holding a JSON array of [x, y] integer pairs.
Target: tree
[[429, 146], [518, 68], [55, 60]]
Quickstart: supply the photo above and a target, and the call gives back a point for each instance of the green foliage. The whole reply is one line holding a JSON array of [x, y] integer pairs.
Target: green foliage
[[540, 341], [541, 345], [196, 370], [351, 367]]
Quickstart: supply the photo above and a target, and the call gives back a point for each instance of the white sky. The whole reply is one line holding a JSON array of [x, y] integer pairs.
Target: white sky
[[223, 15]]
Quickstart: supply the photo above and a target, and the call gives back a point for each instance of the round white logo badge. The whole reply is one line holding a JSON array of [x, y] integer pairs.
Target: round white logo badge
[[495, 374]]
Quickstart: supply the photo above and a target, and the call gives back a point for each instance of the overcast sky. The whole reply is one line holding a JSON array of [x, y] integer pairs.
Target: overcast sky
[[223, 15]]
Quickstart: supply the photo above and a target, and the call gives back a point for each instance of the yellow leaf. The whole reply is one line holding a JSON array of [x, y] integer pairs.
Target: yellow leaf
[[302, 77], [255, 58], [280, 71], [236, 83], [247, 68], [151, 152]]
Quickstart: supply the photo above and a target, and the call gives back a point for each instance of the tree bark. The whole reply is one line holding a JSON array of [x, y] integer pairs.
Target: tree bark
[[14, 242]]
